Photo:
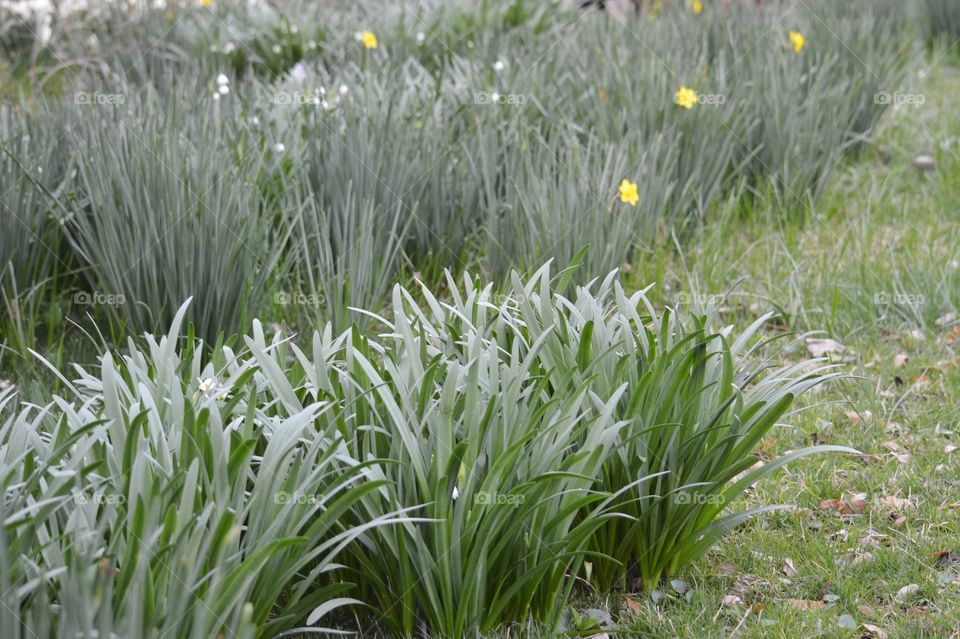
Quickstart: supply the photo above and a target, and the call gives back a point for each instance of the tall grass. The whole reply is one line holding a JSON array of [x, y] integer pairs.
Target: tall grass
[[170, 207], [492, 136], [31, 250], [942, 21], [534, 433], [162, 498]]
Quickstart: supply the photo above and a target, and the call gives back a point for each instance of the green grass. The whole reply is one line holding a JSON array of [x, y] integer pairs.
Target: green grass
[[882, 227]]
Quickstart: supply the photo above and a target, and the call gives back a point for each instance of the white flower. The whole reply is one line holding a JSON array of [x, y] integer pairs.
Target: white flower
[[498, 66], [254, 120], [299, 73], [279, 148], [222, 80], [294, 28], [456, 493], [323, 90], [312, 44], [421, 37], [229, 48], [223, 89], [207, 384], [276, 48], [325, 105], [344, 90], [216, 96], [495, 98]]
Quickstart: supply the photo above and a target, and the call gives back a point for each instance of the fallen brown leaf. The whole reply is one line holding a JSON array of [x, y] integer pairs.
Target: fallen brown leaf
[[897, 503], [947, 558], [631, 605], [818, 347], [873, 632], [906, 592], [857, 417], [805, 604], [731, 600], [849, 506], [788, 568]]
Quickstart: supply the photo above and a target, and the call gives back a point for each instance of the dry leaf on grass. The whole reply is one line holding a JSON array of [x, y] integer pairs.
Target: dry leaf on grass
[[818, 347], [897, 503], [944, 320], [953, 336], [859, 417], [907, 591], [871, 631], [788, 568], [731, 600], [846, 506], [631, 605], [947, 558]]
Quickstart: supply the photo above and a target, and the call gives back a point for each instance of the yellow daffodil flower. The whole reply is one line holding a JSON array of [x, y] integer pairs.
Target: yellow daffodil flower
[[369, 40], [797, 40], [629, 193], [686, 97]]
